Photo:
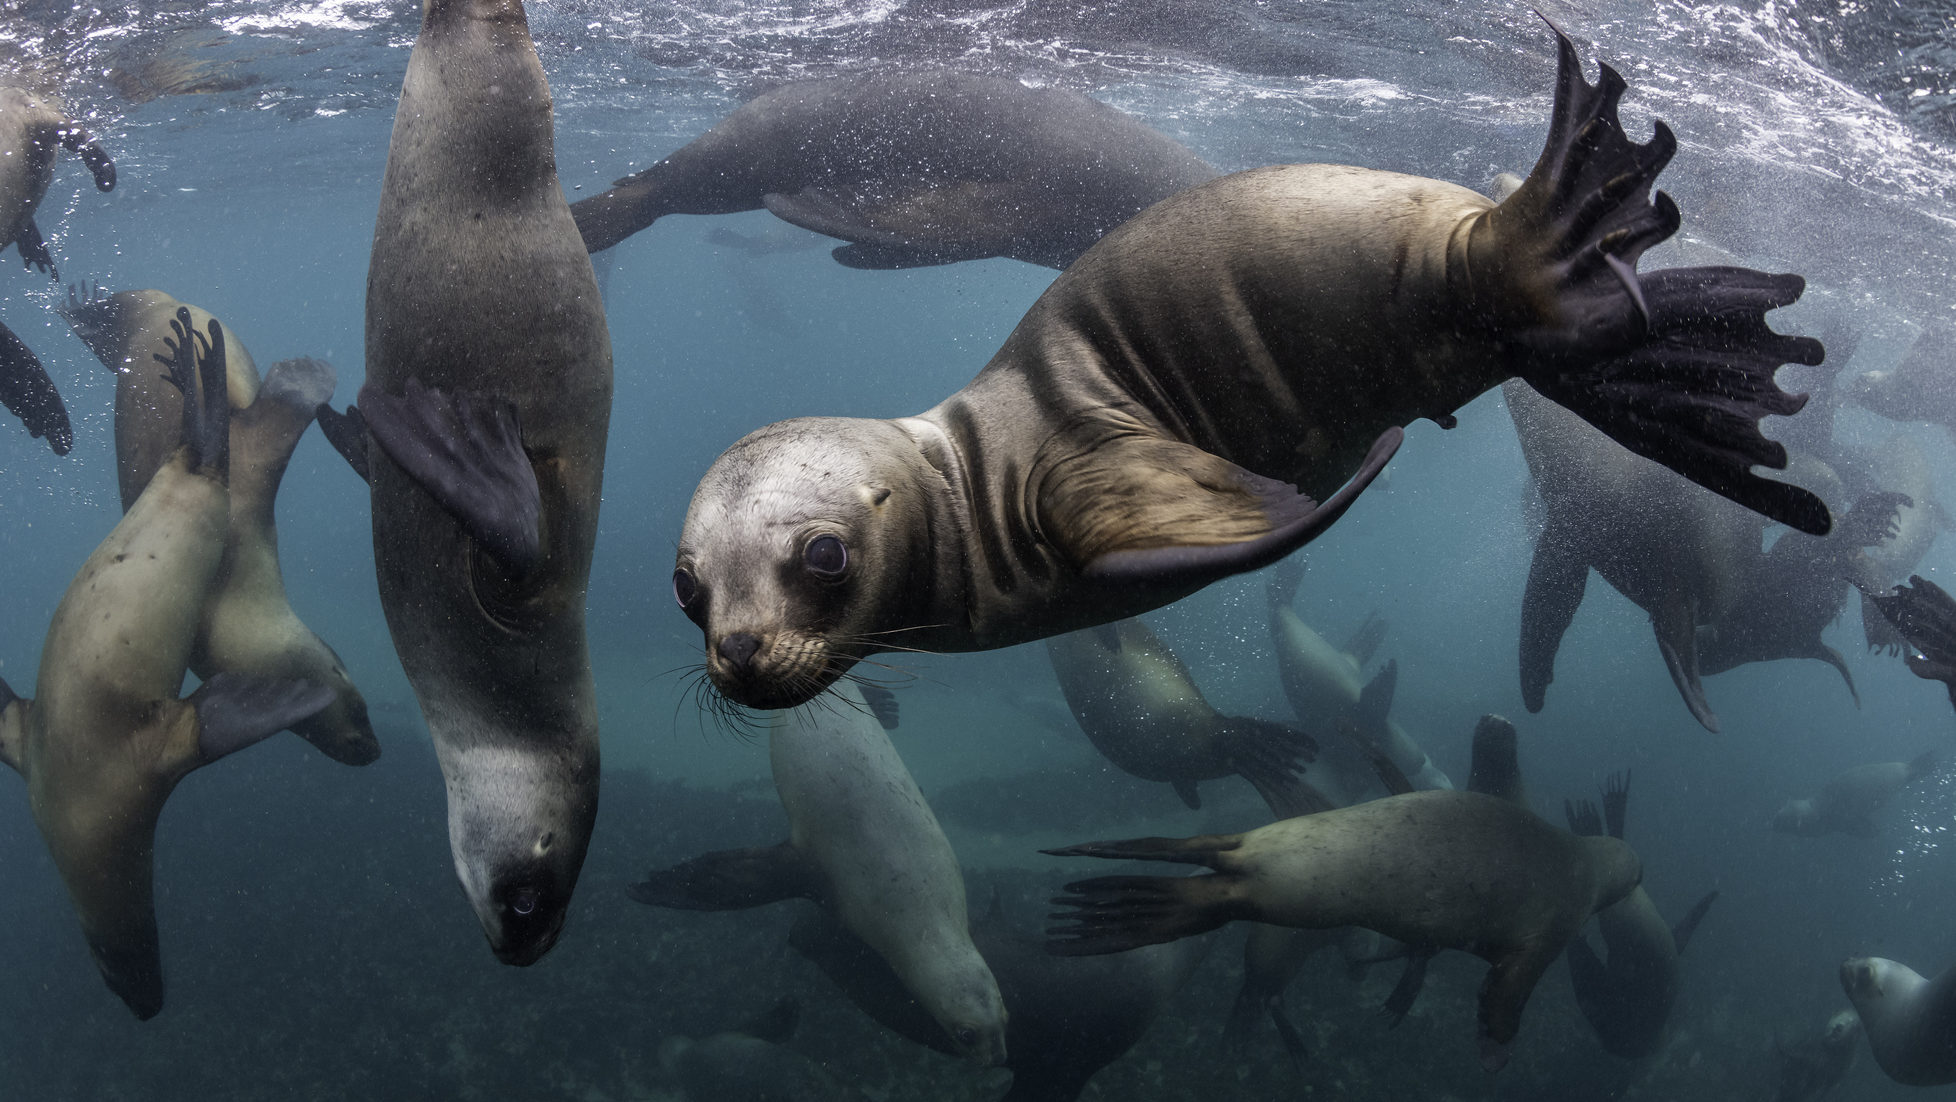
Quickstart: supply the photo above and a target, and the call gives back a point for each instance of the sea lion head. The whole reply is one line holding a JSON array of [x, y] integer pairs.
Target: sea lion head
[[1842, 1029], [807, 546], [1862, 978], [1797, 817]]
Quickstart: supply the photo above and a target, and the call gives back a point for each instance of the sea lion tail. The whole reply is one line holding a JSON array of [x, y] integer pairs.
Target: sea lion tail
[[29, 393], [1113, 914], [729, 880]]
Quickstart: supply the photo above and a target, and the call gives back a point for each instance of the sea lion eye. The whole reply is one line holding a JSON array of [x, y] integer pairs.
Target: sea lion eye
[[966, 1036], [525, 901], [684, 588], [826, 555]]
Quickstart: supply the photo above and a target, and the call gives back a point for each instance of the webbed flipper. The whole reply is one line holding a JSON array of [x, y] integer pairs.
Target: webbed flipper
[[29, 394], [34, 249], [1113, 914], [347, 432], [236, 710], [1677, 641], [1688, 925], [731, 880], [1412, 980], [882, 704], [1557, 577]]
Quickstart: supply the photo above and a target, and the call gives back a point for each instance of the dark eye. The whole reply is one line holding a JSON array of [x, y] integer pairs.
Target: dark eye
[[967, 1036], [826, 555], [525, 901], [684, 588]]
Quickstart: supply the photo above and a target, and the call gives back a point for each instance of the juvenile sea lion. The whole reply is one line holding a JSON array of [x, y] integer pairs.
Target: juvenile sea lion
[[29, 394], [915, 169], [106, 740], [1845, 803], [1925, 617], [33, 129], [863, 842], [486, 405], [1627, 1001], [1433, 869], [1810, 1068], [1910, 1021], [1130, 442], [1139, 706], [248, 626]]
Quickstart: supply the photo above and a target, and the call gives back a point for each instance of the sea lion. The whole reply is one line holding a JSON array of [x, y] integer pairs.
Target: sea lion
[[1844, 803], [1433, 869], [33, 129], [914, 169], [1139, 706], [751, 1064], [485, 409], [106, 740], [1917, 388], [1130, 442], [1627, 1001], [1910, 1021], [863, 842], [248, 625], [29, 394], [1494, 769], [1925, 617], [1810, 1069], [1272, 958], [1067, 1017], [1899, 466]]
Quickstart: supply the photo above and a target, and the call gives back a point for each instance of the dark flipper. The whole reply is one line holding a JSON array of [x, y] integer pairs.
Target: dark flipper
[[889, 258], [1405, 993], [34, 249], [1616, 801], [1556, 580], [1199, 850], [1582, 817], [236, 710], [1590, 978], [76, 140], [1370, 737], [467, 453], [777, 1024], [1925, 617], [196, 367], [730, 880], [1364, 642], [1874, 519], [629, 206], [347, 432], [882, 704], [1495, 768], [1113, 914], [1833, 658], [1674, 623], [1190, 795], [1293, 1041], [29, 394], [1270, 756], [1881, 635], [1504, 994], [1688, 925]]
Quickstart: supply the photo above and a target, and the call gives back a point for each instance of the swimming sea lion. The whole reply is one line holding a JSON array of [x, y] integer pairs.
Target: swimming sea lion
[[1925, 617], [1910, 1021], [29, 394], [1899, 466], [915, 169], [1918, 387], [248, 625], [863, 842], [1139, 706], [751, 1064], [33, 128], [1810, 1069], [1433, 869], [1272, 958], [487, 401], [106, 740], [1628, 1000], [1845, 802], [1131, 441]]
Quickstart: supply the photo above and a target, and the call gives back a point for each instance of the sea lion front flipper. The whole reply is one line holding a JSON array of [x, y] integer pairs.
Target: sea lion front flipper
[[1925, 617], [1182, 518], [1616, 802], [1677, 640], [889, 258], [1287, 1033], [884, 220], [882, 704], [236, 710], [13, 720], [467, 453], [29, 394], [34, 249], [1557, 577], [731, 880], [1833, 658], [265, 432], [1190, 795], [347, 432], [1688, 925], [1881, 635], [1412, 980], [1504, 994]]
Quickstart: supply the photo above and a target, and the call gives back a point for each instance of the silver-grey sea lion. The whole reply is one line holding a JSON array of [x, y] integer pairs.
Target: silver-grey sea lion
[[1434, 869], [106, 739], [29, 394], [1627, 1000], [34, 128], [1925, 617], [914, 169], [1811, 1067], [248, 625], [1910, 1021], [1140, 706], [863, 842], [1918, 387], [487, 400], [1844, 803], [1137, 436]]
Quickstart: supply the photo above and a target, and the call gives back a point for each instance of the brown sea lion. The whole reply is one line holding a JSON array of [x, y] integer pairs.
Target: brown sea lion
[[1136, 437], [33, 128], [914, 168], [106, 740]]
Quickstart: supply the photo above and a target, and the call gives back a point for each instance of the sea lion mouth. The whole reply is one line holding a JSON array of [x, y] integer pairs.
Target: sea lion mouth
[[785, 671]]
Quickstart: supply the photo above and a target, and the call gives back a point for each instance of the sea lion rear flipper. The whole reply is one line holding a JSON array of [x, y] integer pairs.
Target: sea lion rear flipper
[[467, 453], [882, 704], [1116, 913], [347, 432], [1557, 577], [1873, 519], [1504, 994], [236, 710], [1412, 980], [1582, 818], [1881, 635], [34, 249], [1616, 801], [1688, 925], [198, 367], [1270, 756], [1925, 617], [731, 880], [268, 430], [29, 394], [1677, 640], [1144, 510]]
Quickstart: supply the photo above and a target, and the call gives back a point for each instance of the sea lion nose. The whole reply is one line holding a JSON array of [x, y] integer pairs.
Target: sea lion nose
[[738, 649]]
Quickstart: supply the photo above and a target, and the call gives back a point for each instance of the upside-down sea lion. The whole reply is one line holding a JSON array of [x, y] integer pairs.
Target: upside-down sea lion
[[29, 394], [486, 405], [1131, 441], [248, 625], [914, 169], [1434, 869], [1910, 1021], [33, 129], [1925, 617], [106, 740], [1627, 1001], [1811, 1067], [862, 842], [1845, 802], [1140, 707]]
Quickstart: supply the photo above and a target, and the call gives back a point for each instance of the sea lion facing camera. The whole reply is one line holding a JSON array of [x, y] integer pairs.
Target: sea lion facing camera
[[486, 405], [106, 740], [914, 169], [1131, 441], [1910, 1021], [33, 129]]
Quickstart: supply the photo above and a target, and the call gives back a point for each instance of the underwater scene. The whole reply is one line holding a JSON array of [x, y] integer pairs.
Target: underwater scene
[[815, 549]]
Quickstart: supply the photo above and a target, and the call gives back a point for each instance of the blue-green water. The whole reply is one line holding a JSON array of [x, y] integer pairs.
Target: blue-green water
[[314, 939]]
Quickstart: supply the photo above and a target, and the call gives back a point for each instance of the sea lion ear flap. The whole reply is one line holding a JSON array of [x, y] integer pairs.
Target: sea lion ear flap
[[467, 452], [1142, 510]]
